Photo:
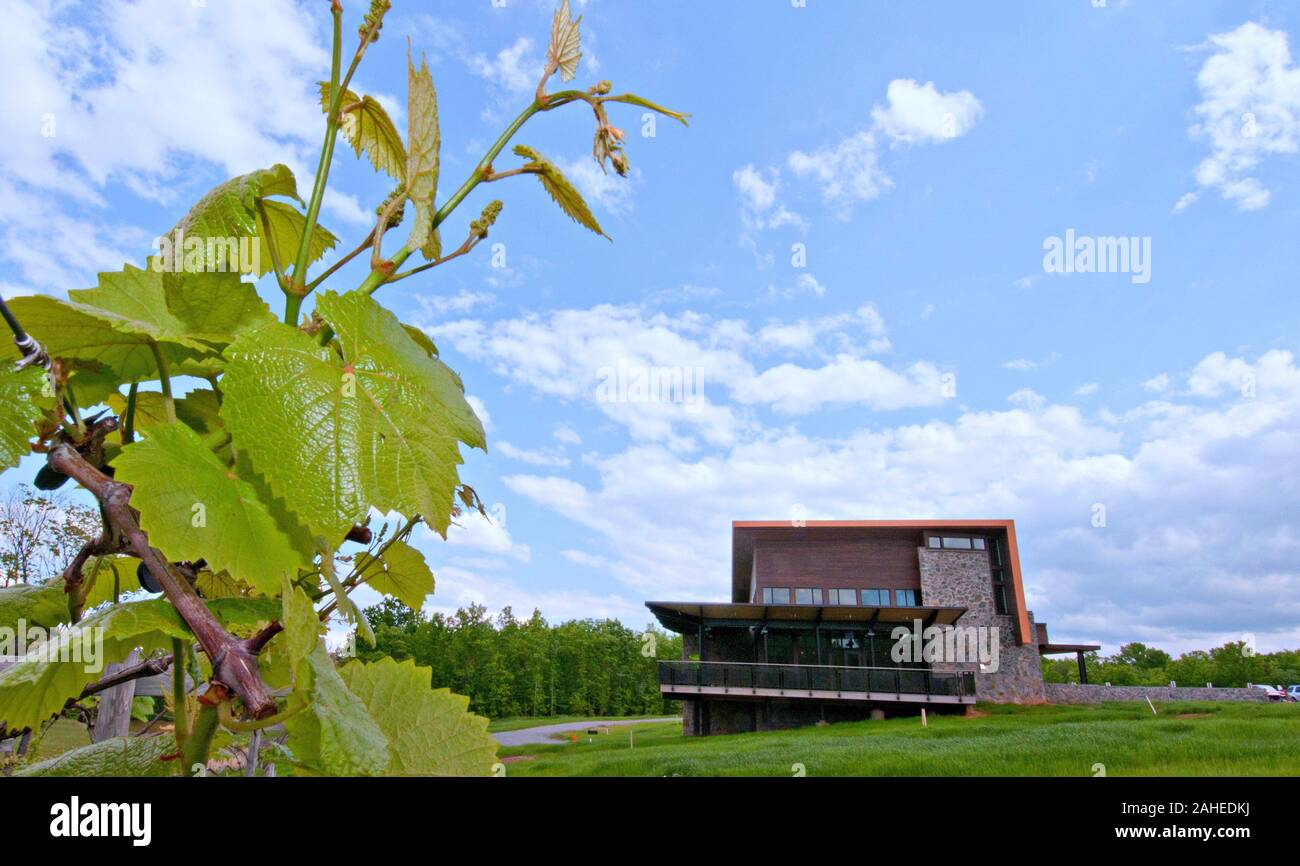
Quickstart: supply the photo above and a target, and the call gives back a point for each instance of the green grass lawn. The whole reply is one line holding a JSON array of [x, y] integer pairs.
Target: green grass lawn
[[518, 722], [1185, 739]]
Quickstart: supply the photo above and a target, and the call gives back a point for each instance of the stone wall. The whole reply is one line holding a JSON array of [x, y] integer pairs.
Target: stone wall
[[963, 578], [1073, 693]]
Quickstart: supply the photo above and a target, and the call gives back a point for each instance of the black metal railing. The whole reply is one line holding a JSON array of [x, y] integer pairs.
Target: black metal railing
[[825, 678]]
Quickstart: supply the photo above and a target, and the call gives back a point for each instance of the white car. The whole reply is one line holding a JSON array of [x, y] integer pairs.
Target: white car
[[1274, 693], [1294, 693]]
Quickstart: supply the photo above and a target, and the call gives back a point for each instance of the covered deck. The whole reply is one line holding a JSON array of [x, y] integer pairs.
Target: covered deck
[[746, 650]]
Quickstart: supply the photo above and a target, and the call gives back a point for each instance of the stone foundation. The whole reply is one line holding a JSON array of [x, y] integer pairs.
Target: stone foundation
[[1073, 693]]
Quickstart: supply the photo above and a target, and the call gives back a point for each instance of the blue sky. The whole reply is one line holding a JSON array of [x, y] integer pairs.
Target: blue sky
[[921, 363]]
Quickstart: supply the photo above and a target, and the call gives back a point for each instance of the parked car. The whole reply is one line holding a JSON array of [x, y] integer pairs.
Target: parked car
[[1294, 693], [1275, 693]]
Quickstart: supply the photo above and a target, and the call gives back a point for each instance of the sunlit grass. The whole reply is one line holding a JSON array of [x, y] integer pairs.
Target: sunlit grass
[[1185, 739]]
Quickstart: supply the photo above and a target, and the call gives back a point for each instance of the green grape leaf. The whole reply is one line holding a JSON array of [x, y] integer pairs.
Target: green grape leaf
[[214, 515], [565, 50], [44, 605], [422, 159], [104, 354], [37, 687], [119, 757], [430, 731], [560, 188], [432, 249], [133, 301], [214, 584], [102, 573], [423, 340], [286, 225], [150, 409], [633, 99], [229, 210], [370, 421], [334, 735], [26, 395], [302, 625], [400, 571], [348, 608], [217, 305], [367, 127]]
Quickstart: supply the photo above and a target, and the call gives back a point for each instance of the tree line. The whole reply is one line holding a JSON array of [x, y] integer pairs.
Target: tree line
[[512, 667], [1234, 664]]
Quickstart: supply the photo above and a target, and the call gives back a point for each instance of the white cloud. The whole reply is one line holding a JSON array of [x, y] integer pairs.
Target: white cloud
[[757, 192], [844, 332], [474, 531], [1249, 109], [850, 171], [600, 188], [1027, 398], [534, 457], [141, 94], [461, 302], [480, 409], [1087, 389], [846, 380], [1158, 383], [566, 353], [759, 206], [920, 113], [516, 68], [567, 435]]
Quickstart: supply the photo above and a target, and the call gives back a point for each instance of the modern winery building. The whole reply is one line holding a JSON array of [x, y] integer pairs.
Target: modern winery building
[[810, 632]]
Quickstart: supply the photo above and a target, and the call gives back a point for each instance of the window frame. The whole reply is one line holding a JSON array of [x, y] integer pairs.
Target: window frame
[[888, 596], [815, 593], [768, 592]]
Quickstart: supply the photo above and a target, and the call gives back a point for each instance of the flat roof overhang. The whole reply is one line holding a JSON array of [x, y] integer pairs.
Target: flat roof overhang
[[685, 617], [1051, 649]]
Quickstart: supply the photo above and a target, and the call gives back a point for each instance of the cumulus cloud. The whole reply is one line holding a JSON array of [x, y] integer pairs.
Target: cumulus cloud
[[916, 113], [141, 94], [568, 354], [849, 171], [1249, 110]]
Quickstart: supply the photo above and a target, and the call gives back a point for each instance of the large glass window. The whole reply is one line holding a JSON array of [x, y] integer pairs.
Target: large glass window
[[955, 542], [997, 560], [776, 595], [875, 598], [804, 595], [907, 597], [780, 648], [842, 596]]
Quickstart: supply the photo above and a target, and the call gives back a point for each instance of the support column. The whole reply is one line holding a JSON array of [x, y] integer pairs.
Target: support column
[[1083, 669]]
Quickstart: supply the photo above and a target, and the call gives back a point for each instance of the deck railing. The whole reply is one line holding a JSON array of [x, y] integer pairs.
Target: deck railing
[[824, 678]]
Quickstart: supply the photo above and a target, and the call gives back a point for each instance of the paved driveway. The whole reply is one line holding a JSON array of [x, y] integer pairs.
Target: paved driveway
[[544, 733]]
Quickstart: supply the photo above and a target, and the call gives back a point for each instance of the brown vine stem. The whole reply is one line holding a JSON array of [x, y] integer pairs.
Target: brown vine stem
[[234, 664]]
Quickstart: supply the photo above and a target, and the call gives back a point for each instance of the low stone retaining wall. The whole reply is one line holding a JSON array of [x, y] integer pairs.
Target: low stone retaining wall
[[1073, 693]]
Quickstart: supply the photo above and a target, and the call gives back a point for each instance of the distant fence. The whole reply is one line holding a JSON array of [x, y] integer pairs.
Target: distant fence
[[1073, 693]]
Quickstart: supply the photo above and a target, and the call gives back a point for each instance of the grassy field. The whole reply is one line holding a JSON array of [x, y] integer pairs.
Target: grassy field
[[514, 724], [1185, 739]]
